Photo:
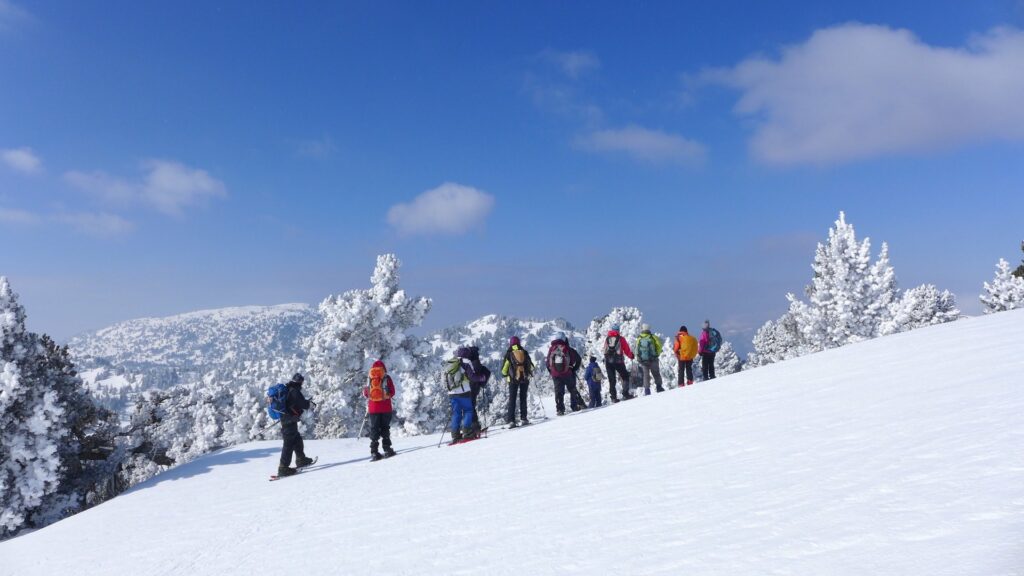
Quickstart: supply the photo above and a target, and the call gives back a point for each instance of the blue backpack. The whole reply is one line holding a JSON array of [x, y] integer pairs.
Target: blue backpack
[[647, 350], [714, 341], [277, 394]]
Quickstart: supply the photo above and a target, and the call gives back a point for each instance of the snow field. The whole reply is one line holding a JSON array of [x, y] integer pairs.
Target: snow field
[[900, 455]]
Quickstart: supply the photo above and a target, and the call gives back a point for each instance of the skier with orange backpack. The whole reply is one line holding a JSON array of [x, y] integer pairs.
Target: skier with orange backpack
[[378, 393], [686, 350]]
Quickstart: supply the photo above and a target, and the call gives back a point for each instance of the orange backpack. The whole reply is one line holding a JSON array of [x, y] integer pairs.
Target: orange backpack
[[378, 385]]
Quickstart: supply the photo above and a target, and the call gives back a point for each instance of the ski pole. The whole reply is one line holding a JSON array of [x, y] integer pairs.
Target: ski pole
[[261, 432], [366, 415]]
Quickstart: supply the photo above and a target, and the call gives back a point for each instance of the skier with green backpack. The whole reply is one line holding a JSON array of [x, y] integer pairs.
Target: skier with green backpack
[[648, 349]]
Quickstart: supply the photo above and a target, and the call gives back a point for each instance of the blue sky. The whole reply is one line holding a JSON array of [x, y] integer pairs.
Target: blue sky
[[528, 158]]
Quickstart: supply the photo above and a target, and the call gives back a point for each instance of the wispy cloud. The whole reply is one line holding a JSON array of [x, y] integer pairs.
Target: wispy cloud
[[572, 64], [15, 216], [449, 209], [98, 224], [644, 145], [858, 91], [12, 15], [21, 159], [318, 148], [167, 186]]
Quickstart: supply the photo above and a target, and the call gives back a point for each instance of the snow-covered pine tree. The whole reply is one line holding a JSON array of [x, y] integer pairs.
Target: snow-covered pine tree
[[727, 361], [918, 307], [775, 341], [849, 296], [356, 328], [1006, 292], [32, 429], [1019, 272], [629, 319]]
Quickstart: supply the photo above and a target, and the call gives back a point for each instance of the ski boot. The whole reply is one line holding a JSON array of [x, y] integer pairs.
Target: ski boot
[[389, 451], [283, 471], [303, 462]]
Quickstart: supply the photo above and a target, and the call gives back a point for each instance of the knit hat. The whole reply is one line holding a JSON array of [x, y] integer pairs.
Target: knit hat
[[297, 378], [380, 364], [683, 329], [645, 327], [513, 341], [593, 359]]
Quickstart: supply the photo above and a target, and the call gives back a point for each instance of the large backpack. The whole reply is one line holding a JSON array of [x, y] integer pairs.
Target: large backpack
[[559, 361], [519, 361], [714, 340], [613, 349], [478, 373], [646, 350], [378, 385], [454, 378], [276, 397]]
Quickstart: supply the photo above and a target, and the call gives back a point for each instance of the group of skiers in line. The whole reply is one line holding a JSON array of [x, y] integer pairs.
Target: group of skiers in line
[[465, 376]]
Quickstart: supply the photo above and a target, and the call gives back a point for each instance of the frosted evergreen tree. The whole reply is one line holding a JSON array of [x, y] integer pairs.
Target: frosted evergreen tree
[[1006, 292], [919, 307], [358, 327], [775, 341], [849, 296], [629, 320], [727, 361], [1019, 272], [31, 422]]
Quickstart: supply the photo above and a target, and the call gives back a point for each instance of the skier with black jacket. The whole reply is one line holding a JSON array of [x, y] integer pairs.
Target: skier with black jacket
[[517, 369], [295, 404]]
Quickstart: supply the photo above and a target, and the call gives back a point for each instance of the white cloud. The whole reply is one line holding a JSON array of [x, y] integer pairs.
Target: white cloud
[[96, 224], [167, 186], [448, 209], [171, 187], [573, 64], [21, 159], [643, 144], [14, 216], [857, 91]]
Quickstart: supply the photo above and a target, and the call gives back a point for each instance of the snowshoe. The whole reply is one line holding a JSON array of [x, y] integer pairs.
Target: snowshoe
[[389, 452], [304, 462]]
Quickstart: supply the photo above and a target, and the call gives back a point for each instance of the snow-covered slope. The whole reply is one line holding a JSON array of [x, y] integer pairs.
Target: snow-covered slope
[[884, 457]]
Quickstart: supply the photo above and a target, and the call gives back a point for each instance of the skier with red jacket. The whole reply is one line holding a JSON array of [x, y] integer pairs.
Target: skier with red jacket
[[616, 350], [379, 391]]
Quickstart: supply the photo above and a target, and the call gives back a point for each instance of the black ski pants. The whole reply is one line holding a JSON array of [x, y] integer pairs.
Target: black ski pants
[[292, 443], [685, 371], [561, 384], [380, 429], [614, 370], [707, 365], [515, 389]]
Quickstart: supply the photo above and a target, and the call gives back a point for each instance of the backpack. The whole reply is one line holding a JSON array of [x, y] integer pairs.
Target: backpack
[[596, 375], [558, 360], [454, 378], [646, 350], [478, 373], [378, 385], [468, 353], [714, 340], [276, 397], [519, 360], [613, 349]]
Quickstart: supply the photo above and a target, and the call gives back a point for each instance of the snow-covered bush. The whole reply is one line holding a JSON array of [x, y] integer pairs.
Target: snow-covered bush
[[1006, 292], [919, 307]]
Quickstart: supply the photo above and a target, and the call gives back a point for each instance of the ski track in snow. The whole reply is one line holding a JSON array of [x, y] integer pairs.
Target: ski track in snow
[[884, 457]]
